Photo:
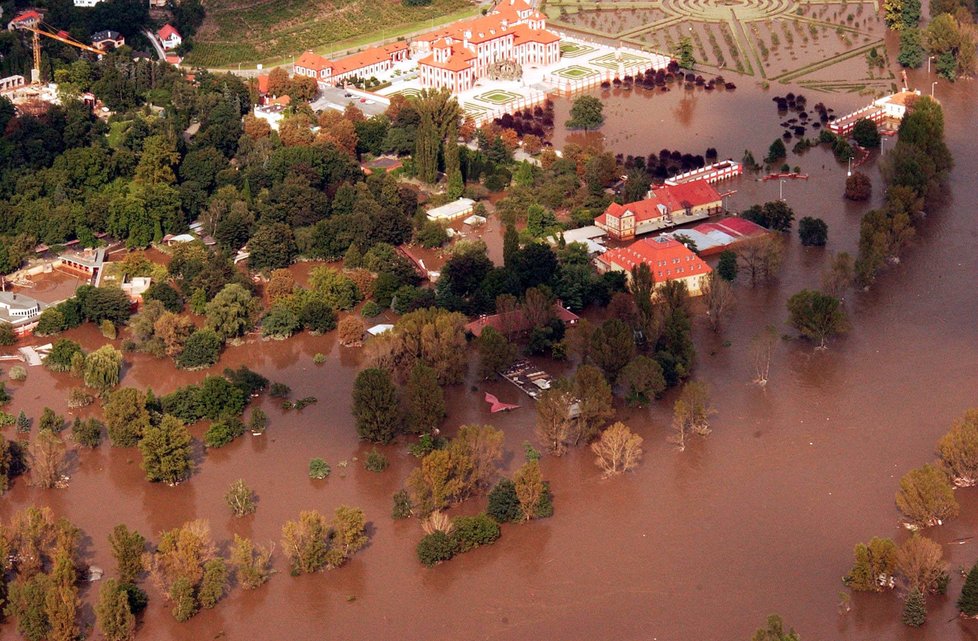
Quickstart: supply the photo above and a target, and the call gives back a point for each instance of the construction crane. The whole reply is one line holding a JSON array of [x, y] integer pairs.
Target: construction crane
[[47, 31]]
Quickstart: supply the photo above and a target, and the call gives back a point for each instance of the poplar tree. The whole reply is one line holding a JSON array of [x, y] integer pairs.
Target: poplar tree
[[968, 601], [424, 399], [166, 451], [113, 617]]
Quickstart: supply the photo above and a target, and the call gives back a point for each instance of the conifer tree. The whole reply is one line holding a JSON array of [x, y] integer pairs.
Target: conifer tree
[[114, 619], [968, 601], [915, 609]]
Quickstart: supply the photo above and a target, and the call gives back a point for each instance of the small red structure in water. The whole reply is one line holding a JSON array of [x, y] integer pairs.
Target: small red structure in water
[[495, 405]]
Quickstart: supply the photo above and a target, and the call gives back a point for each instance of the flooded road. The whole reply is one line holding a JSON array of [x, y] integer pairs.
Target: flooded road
[[760, 517]]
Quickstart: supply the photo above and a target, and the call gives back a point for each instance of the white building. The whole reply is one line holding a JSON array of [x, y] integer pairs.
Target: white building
[[19, 311], [86, 3], [452, 211]]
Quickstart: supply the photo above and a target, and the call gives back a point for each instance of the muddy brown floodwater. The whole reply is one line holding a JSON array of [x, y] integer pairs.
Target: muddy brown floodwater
[[758, 518]]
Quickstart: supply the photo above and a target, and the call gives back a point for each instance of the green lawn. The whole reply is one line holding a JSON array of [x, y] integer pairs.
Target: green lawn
[[272, 31], [498, 97], [575, 72]]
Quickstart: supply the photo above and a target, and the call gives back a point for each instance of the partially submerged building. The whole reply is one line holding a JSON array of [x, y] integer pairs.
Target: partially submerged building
[[663, 207], [19, 311], [517, 322], [452, 211], [715, 236], [668, 260]]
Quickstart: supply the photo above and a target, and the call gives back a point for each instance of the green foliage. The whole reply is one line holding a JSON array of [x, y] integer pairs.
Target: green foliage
[[223, 431], [642, 379], [914, 609], [775, 215], [103, 368], [280, 322], [812, 231], [402, 505], [184, 601], [586, 113], [318, 469], [59, 359], [126, 416], [817, 316], [504, 505], [775, 152], [424, 400], [912, 52], [926, 497], [51, 421], [7, 334], [375, 461], [866, 134], [727, 267], [470, 532], [435, 548], [114, 618], [166, 451], [968, 601], [231, 313], [240, 498], [214, 583], [202, 349], [376, 407], [774, 631], [874, 566], [127, 550], [683, 53]]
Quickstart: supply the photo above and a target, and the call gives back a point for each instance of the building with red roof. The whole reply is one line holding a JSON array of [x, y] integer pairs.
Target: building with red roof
[[29, 18], [363, 64], [466, 51], [516, 321], [169, 37], [668, 260], [664, 206]]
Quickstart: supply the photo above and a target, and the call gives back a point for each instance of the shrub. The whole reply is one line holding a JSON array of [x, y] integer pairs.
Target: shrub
[[812, 231], [504, 505], [319, 358], [402, 505], [87, 432], [223, 431], [375, 461], [371, 309], [240, 498], [201, 350], [7, 334], [318, 469], [279, 390], [472, 531], [78, 397], [17, 373], [435, 548]]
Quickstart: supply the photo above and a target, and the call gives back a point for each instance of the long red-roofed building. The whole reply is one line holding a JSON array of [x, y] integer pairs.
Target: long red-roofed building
[[668, 260], [364, 64], [665, 206]]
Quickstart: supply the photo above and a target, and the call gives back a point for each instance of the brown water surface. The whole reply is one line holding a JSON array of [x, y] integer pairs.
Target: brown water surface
[[760, 517]]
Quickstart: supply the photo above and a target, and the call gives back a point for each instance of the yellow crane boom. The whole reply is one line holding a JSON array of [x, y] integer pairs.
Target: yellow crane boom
[[61, 36]]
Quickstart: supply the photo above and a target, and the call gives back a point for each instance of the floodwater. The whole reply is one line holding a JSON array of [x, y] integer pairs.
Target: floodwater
[[760, 517]]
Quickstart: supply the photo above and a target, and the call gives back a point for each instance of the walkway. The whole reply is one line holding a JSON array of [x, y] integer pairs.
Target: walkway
[[156, 44]]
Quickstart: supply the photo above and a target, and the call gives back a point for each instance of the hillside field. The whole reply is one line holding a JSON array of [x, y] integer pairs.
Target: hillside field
[[272, 31]]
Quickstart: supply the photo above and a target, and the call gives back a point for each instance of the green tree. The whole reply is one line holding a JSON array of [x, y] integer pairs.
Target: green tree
[[439, 114], [586, 113], [114, 619], [271, 247], [60, 357], [61, 601], [424, 400], [866, 134], [126, 416], [912, 52], [157, 160], [306, 542], [240, 498], [642, 380], [727, 267], [775, 152], [231, 313], [252, 562], [167, 451], [496, 353], [612, 347], [184, 600], [504, 504], [594, 402], [376, 408], [202, 349], [926, 497], [817, 316], [874, 566], [214, 583], [915, 609], [26, 602], [812, 231], [103, 367], [683, 53], [127, 550], [774, 631], [968, 601]]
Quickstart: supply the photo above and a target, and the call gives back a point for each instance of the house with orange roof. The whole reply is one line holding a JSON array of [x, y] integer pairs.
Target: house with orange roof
[[29, 18], [664, 206], [461, 54], [668, 260], [169, 37], [363, 64]]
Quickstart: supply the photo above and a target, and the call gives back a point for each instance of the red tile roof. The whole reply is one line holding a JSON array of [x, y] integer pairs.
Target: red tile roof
[[166, 31], [667, 259], [367, 57], [740, 227], [310, 60], [27, 16], [696, 193], [263, 83], [459, 59], [516, 321]]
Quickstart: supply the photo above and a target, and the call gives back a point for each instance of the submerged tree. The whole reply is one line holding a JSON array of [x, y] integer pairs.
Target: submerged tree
[[618, 450], [554, 425], [114, 619], [166, 450], [761, 348], [874, 566], [926, 497], [817, 316], [915, 609], [253, 562], [376, 406], [968, 601], [719, 297], [691, 413], [958, 450], [921, 562], [774, 631]]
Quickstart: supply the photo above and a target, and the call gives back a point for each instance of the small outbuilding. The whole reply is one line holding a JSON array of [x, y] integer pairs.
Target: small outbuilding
[[452, 211]]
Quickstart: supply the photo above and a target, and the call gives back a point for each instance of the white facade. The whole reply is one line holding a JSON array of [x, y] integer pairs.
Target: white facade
[[86, 3]]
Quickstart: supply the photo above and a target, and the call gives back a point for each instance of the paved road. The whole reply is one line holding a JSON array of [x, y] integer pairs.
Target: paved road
[[156, 44]]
